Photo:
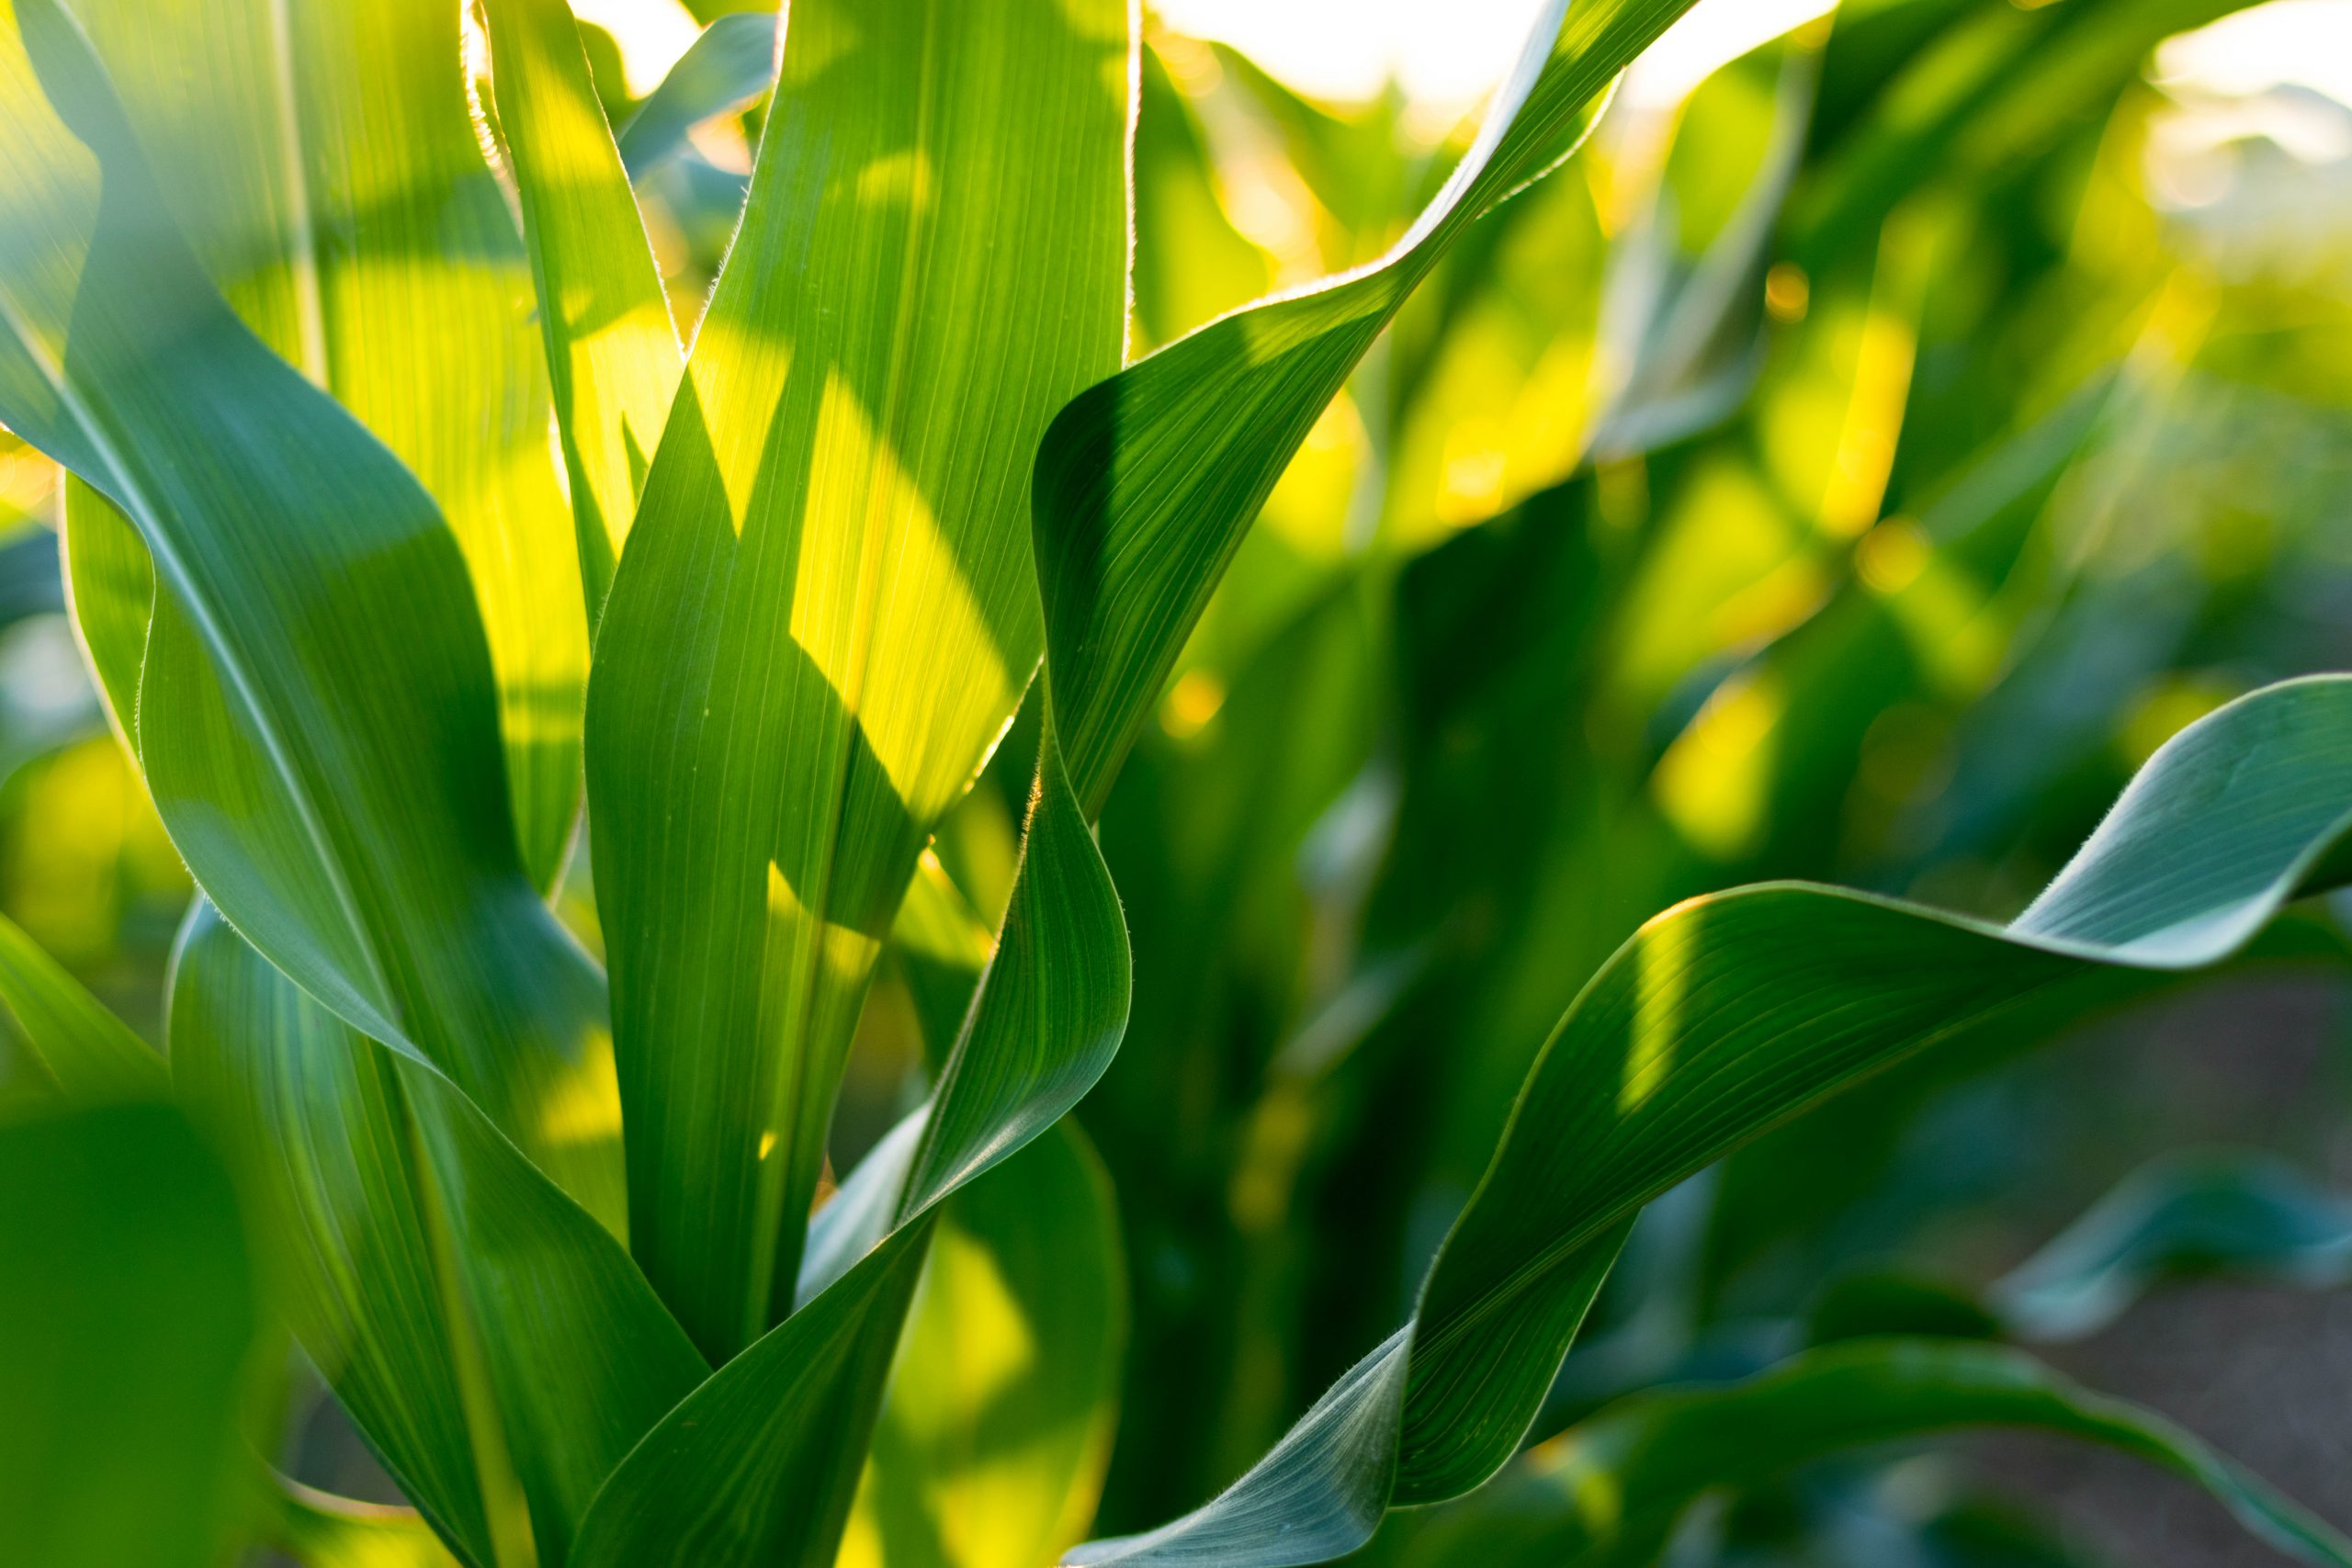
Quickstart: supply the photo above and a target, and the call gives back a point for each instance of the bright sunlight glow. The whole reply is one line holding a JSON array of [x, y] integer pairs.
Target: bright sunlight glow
[[1446, 57]]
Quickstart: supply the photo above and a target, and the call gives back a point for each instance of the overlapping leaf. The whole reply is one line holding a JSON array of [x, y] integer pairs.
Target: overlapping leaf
[[322, 165], [1731, 1014], [496, 1345], [730, 63], [318, 716], [826, 615], [612, 352]]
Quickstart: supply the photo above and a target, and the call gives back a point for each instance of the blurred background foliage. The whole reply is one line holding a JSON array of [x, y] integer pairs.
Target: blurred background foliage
[[1850, 467]]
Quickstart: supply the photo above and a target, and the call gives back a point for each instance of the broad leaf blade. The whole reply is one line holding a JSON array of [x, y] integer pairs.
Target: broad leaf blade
[[826, 615]]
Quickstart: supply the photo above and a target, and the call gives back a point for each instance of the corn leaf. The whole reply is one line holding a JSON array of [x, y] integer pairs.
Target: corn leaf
[[322, 165], [612, 350], [317, 717], [125, 1299], [90, 1054], [1731, 1013], [759, 1464], [2174, 1216], [995, 1432], [825, 617], [1147, 483], [730, 65], [488, 1336], [1609, 1491]]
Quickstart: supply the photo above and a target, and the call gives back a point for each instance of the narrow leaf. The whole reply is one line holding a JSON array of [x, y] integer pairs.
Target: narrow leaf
[[2177, 1216], [613, 353]]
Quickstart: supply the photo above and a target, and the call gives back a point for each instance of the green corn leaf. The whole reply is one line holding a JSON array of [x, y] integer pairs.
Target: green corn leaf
[[1147, 483], [931, 261], [2176, 1216], [997, 1426], [732, 62], [127, 1307], [88, 1052], [496, 1344], [317, 718], [1609, 1491], [613, 351], [1052, 1003], [1041, 1028], [323, 164], [759, 1464], [1731, 1013]]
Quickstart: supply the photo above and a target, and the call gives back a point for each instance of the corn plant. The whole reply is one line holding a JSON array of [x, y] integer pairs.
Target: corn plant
[[298, 292]]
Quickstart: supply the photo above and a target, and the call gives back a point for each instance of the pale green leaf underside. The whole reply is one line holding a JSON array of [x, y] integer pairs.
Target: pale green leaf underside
[[2240, 1215]]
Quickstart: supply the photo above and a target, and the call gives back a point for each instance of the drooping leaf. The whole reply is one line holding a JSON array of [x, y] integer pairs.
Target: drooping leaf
[[826, 614], [495, 1343], [88, 1052], [127, 1310], [1610, 1490], [732, 62], [2174, 1216], [1730, 1014], [612, 350], [317, 716]]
